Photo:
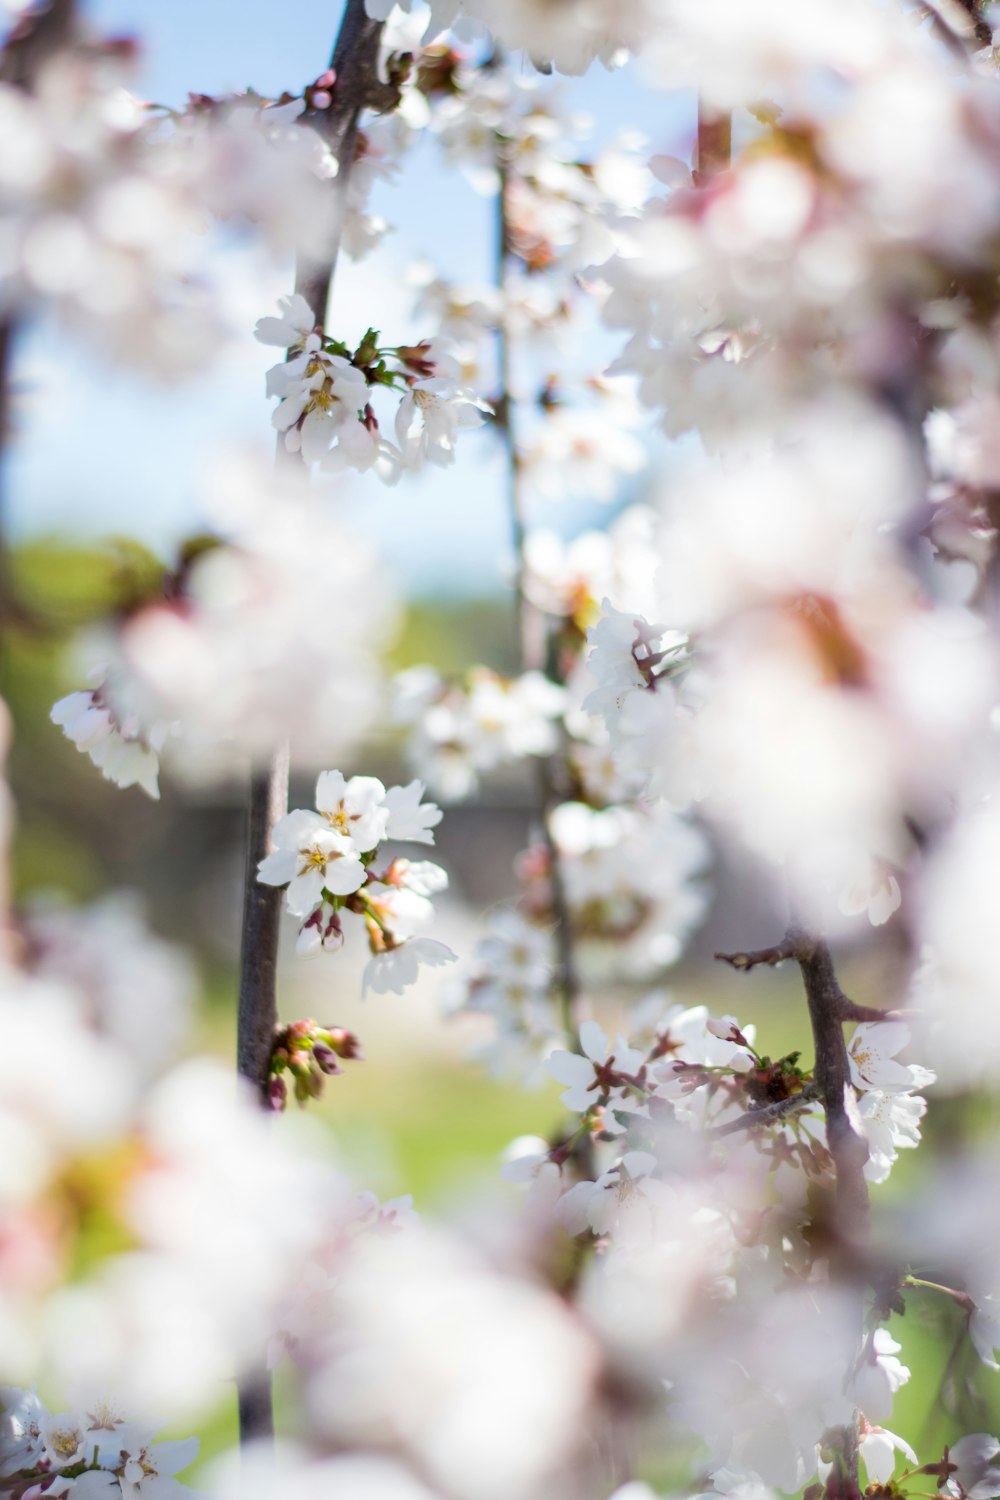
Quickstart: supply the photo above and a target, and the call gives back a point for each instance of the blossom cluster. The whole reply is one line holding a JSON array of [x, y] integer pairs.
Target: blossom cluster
[[785, 663], [324, 860], [325, 410], [106, 200], [85, 1453], [457, 732]]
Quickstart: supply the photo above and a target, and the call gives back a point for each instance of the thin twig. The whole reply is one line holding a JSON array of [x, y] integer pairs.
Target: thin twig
[[529, 624], [355, 61], [766, 1114]]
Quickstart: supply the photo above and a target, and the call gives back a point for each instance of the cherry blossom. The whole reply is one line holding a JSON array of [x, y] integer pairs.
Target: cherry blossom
[[120, 750], [354, 808], [310, 858], [409, 817], [603, 1076], [395, 969], [429, 418]]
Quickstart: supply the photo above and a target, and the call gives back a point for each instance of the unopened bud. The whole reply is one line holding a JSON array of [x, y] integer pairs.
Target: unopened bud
[[326, 1059]]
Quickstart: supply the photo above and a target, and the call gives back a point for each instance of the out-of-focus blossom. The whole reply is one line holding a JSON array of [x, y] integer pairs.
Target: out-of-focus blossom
[[121, 750], [459, 731], [241, 657], [404, 1368]]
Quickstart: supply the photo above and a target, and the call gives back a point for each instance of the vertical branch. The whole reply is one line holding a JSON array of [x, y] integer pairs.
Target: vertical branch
[[529, 622], [355, 62], [829, 1008], [832, 1071], [258, 1012]]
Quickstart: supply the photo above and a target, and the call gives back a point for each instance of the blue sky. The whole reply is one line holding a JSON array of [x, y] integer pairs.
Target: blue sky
[[102, 451]]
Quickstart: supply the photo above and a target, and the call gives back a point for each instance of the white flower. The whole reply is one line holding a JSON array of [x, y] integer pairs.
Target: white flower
[[626, 1202], [64, 1439], [871, 1052], [310, 858], [977, 1457], [410, 820], [890, 1123], [397, 968], [399, 912], [360, 445], [429, 418], [145, 1470], [294, 328], [116, 749], [879, 1376], [354, 808], [22, 1415], [878, 1449], [420, 875], [320, 393], [873, 890], [587, 1076]]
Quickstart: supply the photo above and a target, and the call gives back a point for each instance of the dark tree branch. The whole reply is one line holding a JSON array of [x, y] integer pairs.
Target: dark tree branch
[[829, 1008], [771, 956], [258, 1012], [832, 1072], [766, 1114]]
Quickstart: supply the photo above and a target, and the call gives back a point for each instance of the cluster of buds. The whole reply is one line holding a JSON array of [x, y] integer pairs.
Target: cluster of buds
[[308, 1053]]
